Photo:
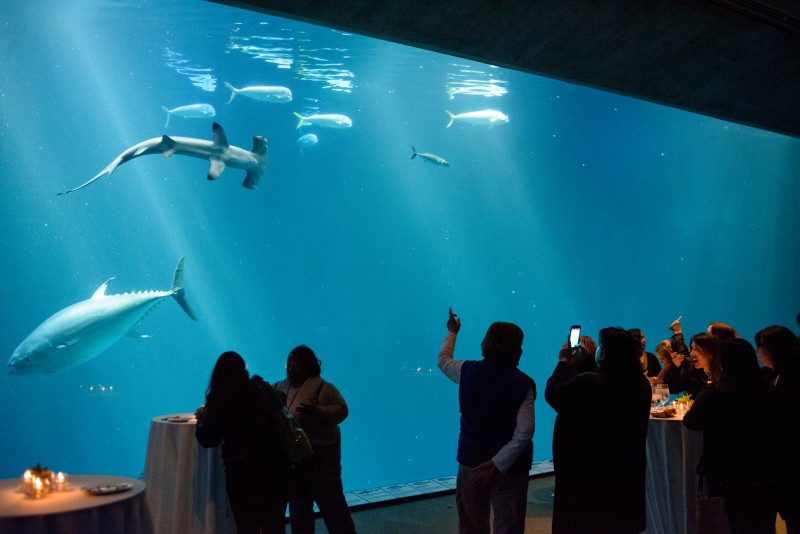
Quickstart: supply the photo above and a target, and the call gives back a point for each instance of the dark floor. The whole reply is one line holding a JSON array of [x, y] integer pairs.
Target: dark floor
[[437, 514]]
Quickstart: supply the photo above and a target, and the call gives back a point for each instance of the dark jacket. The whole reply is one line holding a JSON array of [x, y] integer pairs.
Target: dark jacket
[[741, 435], [787, 389], [244, 428], [599, 450], [653, 365], [256, 473]]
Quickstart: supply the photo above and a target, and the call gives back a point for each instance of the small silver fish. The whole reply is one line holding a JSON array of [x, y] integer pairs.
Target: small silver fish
[[307, 140], [264, 93], [326, 120], [430, 158], [192, 111], [487, 117]]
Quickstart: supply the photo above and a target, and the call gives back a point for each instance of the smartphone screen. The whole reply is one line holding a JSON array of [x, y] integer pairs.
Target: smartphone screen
[[575, 335]]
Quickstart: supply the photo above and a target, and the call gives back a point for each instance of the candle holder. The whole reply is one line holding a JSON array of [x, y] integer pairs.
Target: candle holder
[[37, 482], [683, 403]]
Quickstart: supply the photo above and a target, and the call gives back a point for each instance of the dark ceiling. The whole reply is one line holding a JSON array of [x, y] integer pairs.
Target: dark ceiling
[[737, 60]]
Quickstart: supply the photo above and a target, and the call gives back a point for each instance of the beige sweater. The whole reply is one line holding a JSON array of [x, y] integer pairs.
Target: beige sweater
[[322, 427]]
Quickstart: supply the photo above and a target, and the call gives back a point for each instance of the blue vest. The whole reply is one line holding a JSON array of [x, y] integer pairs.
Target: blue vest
[[490, 394]]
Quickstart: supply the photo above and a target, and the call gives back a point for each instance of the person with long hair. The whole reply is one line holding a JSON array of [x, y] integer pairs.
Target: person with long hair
[[678, 372], [319, 408], [495, 451], [651, 367], [237, 416], [663, 354], [704, 352], [742, 457], [778, 347], [600, 488]]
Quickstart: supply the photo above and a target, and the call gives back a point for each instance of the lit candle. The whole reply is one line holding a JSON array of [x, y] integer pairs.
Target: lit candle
[[27, 482], [61, 481]]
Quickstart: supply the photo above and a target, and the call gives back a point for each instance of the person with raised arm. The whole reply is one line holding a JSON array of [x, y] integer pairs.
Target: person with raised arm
[[495, 451]]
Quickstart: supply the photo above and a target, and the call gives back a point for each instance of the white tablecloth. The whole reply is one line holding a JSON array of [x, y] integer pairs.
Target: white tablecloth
[[672, 455], [185, 482], [73, 511]]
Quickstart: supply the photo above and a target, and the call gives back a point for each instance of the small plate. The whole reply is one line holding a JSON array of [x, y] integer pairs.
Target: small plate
[[662, 412], [178, 419], [107, 489]]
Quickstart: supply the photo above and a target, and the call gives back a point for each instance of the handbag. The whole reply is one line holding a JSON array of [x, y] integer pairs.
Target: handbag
[[292, 439], [710, 512]]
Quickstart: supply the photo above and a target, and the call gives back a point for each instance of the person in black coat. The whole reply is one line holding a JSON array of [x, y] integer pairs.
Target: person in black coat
[[599, 440], [778, 346], [256, 474], [742, 457]]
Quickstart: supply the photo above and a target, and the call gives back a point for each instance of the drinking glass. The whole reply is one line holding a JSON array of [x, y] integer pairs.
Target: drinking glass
[[662, 392]]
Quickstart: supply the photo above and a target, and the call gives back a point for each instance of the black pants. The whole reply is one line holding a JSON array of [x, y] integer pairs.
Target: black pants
[[320, 480], [751, 509], [257, 492], [789, 505]]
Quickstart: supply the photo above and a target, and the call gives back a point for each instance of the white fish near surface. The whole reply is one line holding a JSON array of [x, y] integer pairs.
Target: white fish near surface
[[273, 94], [488, 117], [192, 111], [218, 152], [82, 331], [430, 158], [325, 121]]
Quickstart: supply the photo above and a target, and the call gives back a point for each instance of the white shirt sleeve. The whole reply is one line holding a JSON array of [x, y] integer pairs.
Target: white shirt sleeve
[[450, 367], [523, 433]]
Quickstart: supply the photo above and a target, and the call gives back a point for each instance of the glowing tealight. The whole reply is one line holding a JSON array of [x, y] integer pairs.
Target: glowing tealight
[[61, 482]]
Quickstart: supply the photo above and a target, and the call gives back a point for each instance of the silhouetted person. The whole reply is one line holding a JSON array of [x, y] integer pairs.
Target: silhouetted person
[[599, 440], [742, 457], [650, 364], [319, 408], [779, 346], [495, 451], [722, 331], [256, 474], [581, 358]]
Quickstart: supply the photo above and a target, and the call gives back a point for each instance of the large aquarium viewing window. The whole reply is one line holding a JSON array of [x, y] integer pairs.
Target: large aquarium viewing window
[[394, 184]]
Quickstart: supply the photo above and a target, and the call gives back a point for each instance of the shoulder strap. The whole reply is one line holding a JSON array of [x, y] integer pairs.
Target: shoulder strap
[[319, 389], [271, 397]]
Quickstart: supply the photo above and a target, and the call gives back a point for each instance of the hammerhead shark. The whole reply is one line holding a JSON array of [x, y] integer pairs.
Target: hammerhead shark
[[218, 152]]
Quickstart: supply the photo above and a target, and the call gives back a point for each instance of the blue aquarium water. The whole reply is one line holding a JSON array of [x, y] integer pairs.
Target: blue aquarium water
[[584, 207]]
